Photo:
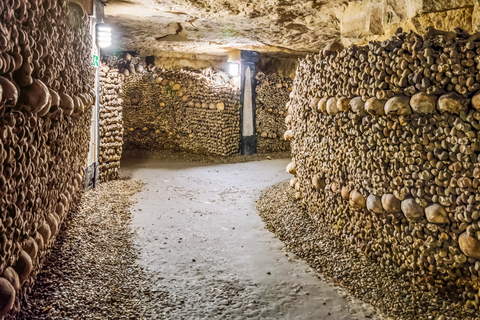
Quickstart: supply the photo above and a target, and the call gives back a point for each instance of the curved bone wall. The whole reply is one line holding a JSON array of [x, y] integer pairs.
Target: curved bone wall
[[45, 111], [385, 146]]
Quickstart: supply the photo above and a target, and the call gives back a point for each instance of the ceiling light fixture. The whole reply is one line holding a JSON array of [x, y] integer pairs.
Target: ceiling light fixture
[[104, 35], [233, 69]]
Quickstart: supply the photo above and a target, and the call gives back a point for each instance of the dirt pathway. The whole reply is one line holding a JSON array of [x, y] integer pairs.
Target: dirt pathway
[[202, 242]]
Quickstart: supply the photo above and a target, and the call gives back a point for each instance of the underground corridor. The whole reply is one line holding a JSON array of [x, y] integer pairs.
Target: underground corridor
[[225, 159]]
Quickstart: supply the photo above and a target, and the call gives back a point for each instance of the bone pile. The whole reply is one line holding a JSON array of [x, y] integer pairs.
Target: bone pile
[[45, 111], [386, 150], [179, 110], [272, 96], [111, 125]]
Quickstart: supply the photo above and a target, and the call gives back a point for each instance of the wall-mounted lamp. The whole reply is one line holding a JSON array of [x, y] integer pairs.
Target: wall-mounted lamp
[[233, 69], [104, 35]]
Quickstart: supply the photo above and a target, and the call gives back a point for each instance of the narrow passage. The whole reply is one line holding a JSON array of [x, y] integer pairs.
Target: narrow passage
[[188, 245], [202, 241]]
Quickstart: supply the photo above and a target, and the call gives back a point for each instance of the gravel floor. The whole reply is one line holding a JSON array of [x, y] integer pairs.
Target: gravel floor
[[91, 272], [202, 240], [392, 293], [168, 155], [182, 240], [185, 243]]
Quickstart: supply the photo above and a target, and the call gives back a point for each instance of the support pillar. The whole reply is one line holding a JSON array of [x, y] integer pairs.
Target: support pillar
[[248, 131]]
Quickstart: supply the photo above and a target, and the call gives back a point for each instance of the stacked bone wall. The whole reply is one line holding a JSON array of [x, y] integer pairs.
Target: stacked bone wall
[[45, 112], [272, 96], [385, 147], [180, 111], [194, 110], [111, 124]]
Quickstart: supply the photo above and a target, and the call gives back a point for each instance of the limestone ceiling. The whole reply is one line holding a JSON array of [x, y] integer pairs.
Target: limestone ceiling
[[287, 26], [217, 26]]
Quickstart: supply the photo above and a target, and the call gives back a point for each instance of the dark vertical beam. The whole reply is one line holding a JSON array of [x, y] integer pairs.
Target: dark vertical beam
[[248, 130]]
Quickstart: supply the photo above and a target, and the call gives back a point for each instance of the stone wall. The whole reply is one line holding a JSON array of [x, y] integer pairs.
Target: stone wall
[[385, 146], [272, 95], [45, 111], [365, 20], [111, 124], [177, 60], [283, 65]]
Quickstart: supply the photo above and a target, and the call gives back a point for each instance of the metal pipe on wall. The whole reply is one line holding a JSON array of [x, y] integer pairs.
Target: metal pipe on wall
[[92, 170]]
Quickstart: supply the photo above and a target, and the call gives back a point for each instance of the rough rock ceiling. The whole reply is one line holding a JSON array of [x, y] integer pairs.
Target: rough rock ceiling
[[218, 26]]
